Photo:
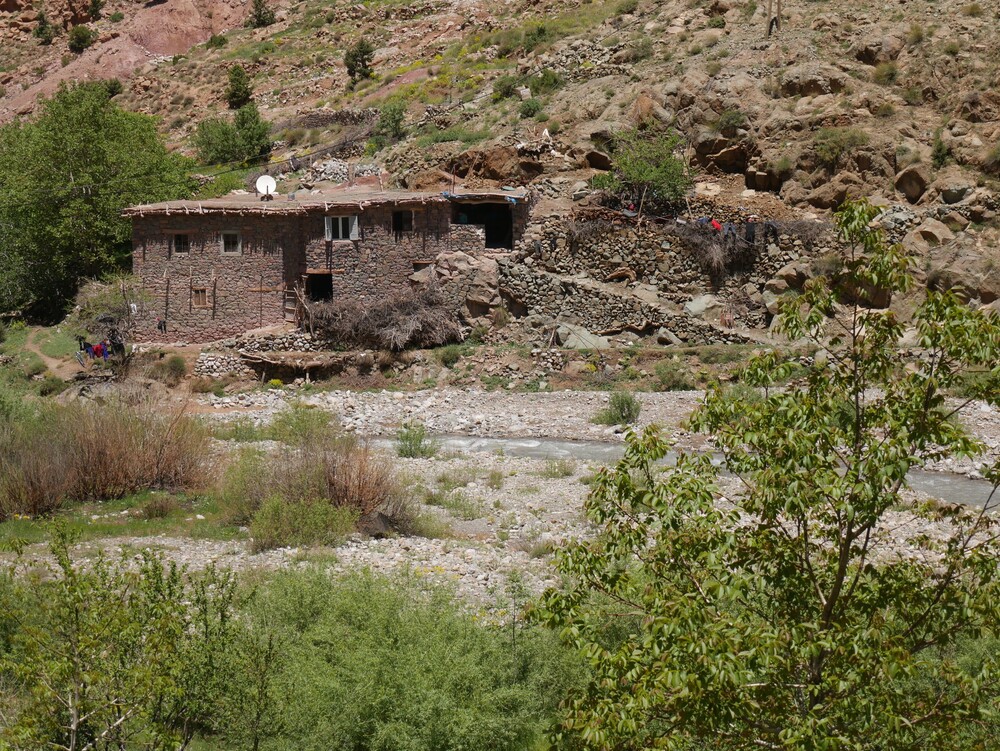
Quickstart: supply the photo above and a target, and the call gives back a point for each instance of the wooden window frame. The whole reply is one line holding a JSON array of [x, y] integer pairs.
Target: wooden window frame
[[222, 243], [195, 291], [335, 225], [173, 243], [406, 216]]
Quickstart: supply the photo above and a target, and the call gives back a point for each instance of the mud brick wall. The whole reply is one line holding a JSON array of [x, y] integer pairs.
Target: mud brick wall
[[243, 291], [381, 261]]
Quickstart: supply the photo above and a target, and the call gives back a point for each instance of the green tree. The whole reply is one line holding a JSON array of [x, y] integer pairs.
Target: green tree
[[389, 127], [66, 178], [645, 170], [358, 60], [787, 618], [261, 15], [246, 138], [238, 91], [81, 37]]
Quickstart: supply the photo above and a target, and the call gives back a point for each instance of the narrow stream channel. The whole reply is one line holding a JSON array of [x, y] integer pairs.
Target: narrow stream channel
[[945, 487]]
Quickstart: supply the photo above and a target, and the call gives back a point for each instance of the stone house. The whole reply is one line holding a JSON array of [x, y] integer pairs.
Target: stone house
[[218, 267]]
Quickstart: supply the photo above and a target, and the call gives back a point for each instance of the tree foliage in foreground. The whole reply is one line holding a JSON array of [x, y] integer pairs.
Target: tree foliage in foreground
[[137, 654], [788, 618], [64, 180]]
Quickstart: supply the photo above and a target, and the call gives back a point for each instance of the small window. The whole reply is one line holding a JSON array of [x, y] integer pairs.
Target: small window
[[182, 243], [231, 244], [341, 228], [402, 221], [199, 297]]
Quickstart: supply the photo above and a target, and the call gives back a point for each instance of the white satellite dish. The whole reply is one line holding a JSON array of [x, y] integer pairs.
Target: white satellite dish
[[266, 185]]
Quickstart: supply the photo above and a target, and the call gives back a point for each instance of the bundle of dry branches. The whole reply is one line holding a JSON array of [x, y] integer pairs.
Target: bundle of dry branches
[[417, 318]]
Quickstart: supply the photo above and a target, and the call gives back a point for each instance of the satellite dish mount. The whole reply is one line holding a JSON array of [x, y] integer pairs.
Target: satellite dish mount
[[265, 186]]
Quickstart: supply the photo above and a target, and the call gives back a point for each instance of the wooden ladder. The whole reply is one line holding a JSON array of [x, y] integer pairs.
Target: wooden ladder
[[291, 306]]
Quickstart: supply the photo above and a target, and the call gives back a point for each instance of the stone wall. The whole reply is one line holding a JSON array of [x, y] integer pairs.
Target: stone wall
[[607, 273]]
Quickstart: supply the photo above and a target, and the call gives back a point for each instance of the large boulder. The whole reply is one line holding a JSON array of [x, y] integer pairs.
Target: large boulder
[[812, 79], [577, 337], [832, 193], [930, 234], [728, 155], [966, 271], [706, 307], [912, 182], [877, 50]]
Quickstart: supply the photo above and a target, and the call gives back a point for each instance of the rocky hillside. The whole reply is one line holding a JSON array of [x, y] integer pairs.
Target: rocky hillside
[[843, 99], [894, 101]]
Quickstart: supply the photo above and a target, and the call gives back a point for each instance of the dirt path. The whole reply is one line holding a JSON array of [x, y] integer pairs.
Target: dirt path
[[63, 368]]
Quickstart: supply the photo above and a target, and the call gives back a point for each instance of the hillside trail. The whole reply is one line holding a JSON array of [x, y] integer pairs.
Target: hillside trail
[[65, 369]]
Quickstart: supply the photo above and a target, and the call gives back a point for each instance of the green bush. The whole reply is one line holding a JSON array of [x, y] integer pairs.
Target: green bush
[[730, 121], [832, 144], [646, 169], [319, 467], [81, 37], [51, 385], [412, 442], [217, 41], [530, 107], [117, 17], [674, 376], [260, 16], [716, 22], [390, 120], [623, 409], [940, 152], [170, 370], [94, 9], [545, 82], [245, 139], [505, 87], [279, 523], [394, 665], [450, 354], [627, 7], [991, 163], [44, 31], [885, 74]]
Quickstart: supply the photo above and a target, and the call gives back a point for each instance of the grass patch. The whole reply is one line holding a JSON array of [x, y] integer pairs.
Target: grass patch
[[56, 343], [144, 514], [293, 425], [279, 523], [456, 502], [557, 468]]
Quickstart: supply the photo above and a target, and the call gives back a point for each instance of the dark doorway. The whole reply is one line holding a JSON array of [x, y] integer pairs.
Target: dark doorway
[[497, 218], [319, 287]]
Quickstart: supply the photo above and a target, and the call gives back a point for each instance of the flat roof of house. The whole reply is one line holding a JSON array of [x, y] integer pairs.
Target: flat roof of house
[[309, 202]]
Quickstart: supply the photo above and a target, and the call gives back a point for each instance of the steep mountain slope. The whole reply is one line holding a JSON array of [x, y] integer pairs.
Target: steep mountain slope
[[839, 101]]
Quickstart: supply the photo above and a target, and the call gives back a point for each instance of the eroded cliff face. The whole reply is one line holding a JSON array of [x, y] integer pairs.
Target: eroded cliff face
[[144, 35]]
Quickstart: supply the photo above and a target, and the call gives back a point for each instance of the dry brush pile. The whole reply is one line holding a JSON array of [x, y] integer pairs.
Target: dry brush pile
[[419, 318]]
